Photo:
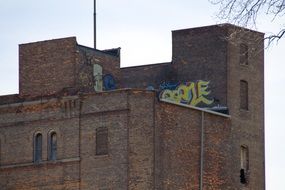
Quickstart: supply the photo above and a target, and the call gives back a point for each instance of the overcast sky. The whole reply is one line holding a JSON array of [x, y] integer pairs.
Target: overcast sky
[[142, 28]]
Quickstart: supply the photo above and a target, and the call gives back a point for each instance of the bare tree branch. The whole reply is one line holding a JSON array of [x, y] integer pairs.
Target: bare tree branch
[[246, 12]]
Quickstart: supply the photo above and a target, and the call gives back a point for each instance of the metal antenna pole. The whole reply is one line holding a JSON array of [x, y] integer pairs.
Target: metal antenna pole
[[94, 24]]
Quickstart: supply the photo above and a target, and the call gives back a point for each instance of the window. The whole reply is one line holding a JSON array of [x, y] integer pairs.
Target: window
[[243, 95], [244, 164], [101, 141], [52, 146], [38, 148], [243, 54]]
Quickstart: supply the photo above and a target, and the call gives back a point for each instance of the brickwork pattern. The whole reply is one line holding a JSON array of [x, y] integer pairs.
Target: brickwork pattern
[[151, 144]]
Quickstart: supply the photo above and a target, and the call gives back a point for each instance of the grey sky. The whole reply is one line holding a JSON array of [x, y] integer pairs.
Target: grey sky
[[142, 28]]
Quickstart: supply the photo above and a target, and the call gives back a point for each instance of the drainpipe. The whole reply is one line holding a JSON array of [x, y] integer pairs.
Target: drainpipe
[[202, 151], [95, 24]]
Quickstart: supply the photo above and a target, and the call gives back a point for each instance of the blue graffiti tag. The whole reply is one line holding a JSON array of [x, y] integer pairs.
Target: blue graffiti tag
[[168, 85], [109, 82]]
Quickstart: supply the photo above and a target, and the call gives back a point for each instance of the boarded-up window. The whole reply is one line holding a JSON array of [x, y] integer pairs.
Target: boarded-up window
[[243, 95], [101, 141], [244, 164], [243, 51], [38, 147], [52, 146]]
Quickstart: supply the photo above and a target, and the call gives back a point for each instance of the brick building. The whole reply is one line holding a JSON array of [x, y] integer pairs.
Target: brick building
[[82, 122]]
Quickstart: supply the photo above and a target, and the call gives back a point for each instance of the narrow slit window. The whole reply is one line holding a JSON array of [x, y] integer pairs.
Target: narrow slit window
[[38, 147], [244, 164], [102, 141], [243, 54], [243, 95], [52, 146]]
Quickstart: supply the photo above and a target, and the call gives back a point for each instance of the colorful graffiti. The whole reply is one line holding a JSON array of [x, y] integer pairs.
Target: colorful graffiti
[[187, 93], [109, 82], [102, 82], [168, 85], [150, 87]]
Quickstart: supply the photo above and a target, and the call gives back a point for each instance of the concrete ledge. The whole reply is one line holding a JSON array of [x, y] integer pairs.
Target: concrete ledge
[[67, 160]]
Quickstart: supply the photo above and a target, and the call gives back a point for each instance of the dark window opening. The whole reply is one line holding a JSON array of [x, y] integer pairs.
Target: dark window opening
[[38, 148], [243, 54], [244, 164], [52, 146], [243, 95], [242, 176], [101, 141]]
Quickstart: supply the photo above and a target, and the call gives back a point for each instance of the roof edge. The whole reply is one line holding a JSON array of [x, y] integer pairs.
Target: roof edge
[[196, 108], [224, 25]]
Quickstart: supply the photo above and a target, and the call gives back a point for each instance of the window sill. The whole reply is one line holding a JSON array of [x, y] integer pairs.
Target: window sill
[[244, 65], [11, 166], [102, 156], [244, 110]]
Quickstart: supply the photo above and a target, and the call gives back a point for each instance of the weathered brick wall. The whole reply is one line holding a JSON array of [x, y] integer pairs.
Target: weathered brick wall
[[147, 75], [18, 124], [86, 58], [75, 120], [61, 65], [217, 170], [129, 163], [201, 54], [55, 176], [248, 125], [141, 139], [178, 148], [104, 171], [46, 67], [178, 152]]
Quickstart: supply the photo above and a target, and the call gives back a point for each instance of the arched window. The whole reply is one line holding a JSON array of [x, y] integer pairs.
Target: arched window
[[52, 146], [38, 147], [243, 95], [101, 141]]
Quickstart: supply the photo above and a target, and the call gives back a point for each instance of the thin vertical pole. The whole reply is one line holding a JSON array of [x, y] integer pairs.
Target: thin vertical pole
[[94, 24], [202, 150]]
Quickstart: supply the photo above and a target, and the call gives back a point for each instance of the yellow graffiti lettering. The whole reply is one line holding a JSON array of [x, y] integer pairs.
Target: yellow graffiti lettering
[[172, 95], [188, 93], [202, 87]]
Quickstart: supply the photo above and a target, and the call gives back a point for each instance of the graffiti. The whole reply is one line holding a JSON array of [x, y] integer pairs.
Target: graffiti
[[150, 87], [109, 82], [97, 74], [102, 82], [188, 93], [168, 85]]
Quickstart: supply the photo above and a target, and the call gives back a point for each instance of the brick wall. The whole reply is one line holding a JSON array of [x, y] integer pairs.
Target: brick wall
[[86, 58], [151, 144], [55, 66], [147, 75], [46, 67], [201, 54], [178, 148], [104, 171], [19, 123], [248, 125]]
